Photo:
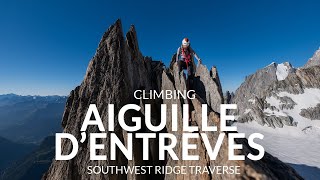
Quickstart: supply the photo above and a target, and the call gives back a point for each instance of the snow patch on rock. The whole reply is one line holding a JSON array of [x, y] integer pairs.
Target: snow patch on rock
[[282, 71], [247, 111], [253, 101]]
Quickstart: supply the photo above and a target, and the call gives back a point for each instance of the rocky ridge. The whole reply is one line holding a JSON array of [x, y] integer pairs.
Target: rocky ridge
[[115, 72]]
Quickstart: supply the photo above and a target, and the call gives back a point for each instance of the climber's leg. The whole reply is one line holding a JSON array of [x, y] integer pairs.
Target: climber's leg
[[182, 65], [179, 65], [190, 76]]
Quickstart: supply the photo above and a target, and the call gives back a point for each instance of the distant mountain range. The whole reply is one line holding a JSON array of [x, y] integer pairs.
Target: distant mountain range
[[33, 165], [11, 151], [25, 122], [29, 119]]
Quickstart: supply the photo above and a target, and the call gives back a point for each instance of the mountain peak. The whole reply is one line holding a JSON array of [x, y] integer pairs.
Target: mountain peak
[[314, 60], [114, 32], [273, 64], [132, 41]]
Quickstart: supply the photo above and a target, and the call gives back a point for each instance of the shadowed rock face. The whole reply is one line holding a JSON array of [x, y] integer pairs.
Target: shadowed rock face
[[115, 72]]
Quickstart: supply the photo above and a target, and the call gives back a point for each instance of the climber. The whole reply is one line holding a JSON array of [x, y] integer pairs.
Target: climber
[[184, 58]]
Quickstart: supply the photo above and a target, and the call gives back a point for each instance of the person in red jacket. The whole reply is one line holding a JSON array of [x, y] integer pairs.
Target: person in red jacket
[[184, 58]]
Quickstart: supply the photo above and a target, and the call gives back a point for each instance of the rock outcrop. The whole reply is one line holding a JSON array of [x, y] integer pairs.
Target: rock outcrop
[[208, 87], [312, 113], [115, 72]]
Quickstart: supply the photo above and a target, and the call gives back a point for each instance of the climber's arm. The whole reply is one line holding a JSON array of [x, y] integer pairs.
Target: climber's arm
[[195, 55]]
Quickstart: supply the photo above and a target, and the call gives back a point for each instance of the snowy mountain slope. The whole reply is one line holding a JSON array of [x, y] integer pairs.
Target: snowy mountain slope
[[297, 145], [309, 99], [289, 145]]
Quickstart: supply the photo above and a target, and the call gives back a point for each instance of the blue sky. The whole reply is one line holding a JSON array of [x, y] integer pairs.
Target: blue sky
[[45, 46]]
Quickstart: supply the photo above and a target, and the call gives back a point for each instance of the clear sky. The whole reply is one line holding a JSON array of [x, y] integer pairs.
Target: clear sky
[[45, 46]]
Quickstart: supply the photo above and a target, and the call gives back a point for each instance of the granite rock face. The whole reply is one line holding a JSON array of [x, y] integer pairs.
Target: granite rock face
[[114, 73], [208, 87]]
